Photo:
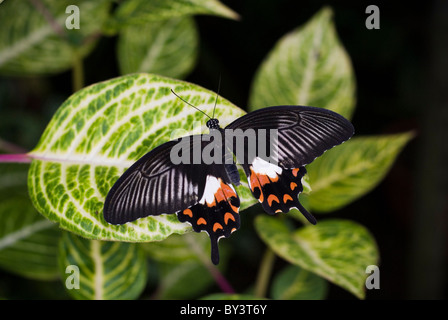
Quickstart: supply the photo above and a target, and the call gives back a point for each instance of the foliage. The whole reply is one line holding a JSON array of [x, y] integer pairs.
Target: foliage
[[102, 129]]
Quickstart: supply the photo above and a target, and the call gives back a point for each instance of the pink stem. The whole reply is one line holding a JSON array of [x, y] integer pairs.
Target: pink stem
[[221, 281], [20, 157]]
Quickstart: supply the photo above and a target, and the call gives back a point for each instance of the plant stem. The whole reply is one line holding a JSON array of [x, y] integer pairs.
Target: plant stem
[[220, 280], [264, 273], [57, 28], [15, 158], [77, 71]]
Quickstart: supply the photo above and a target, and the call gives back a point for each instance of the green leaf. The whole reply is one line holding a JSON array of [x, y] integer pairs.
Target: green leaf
[[308, 66], [99, 132], [184, 265], [28, 242], [185, 280], [143, 11], [181, 261], [168, 48], [337, 250], [107, 270], [295, 283], [31, 45], [177, 249], [345, 173]]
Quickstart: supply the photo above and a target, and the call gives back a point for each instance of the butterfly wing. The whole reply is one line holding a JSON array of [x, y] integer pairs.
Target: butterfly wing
[[304, 133], [217, 211], [152, 186], [301, 135], [199, 194]]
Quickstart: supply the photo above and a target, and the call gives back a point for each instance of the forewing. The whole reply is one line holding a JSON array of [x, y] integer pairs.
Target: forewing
[[155, 185], [293, 137], [303, 133]]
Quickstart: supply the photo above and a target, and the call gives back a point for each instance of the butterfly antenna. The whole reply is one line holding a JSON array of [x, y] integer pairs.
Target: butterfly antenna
[[189, 103], [217, 95]]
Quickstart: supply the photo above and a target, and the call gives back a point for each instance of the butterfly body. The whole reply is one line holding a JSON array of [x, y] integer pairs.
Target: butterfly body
[[194, 177]]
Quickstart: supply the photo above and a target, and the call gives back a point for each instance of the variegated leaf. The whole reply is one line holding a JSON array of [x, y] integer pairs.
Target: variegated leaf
[[337, 250], [143, 11], [31, 43], [295, 283], [345, 173], [28, 242], [101, 270], [99, 132], [308, 66], [168, 48]]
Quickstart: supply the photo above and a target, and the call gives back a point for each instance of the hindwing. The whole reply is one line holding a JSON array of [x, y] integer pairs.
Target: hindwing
[[200, 194]]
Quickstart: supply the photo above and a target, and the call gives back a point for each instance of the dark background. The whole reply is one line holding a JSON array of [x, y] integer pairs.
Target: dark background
[[402, 84]]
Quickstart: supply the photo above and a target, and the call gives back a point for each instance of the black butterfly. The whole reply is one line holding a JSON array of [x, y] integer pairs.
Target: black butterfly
[[203, 195]]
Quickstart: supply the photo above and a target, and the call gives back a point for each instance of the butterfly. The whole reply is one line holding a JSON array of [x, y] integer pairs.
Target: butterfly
[[202, 193]]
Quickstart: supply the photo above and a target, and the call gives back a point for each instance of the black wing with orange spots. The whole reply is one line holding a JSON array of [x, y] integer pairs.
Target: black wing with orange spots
[[302, 134], [199, 194], [278, 193], [217, 211]]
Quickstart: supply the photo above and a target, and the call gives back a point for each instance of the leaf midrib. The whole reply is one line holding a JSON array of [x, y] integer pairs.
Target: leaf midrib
[[22, 45], [156, 47], [98, 273], [14, 237], [309, 72]]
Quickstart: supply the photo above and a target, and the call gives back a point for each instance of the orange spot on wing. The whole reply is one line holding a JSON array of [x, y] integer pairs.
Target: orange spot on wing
[[224, 193], [286, 197], [227, 190], [259, 180], [201, 221], [295, 171], [293, 185], [263, 179], [233, 230], [278, 210], [188, 212], [211, 204], [219, 196], [254, 183], [228, 216], [217, 226], [272, 198]]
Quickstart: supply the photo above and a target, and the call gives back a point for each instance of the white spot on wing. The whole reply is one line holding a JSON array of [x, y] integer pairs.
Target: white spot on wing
[[212, 185], [261, 166]]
